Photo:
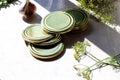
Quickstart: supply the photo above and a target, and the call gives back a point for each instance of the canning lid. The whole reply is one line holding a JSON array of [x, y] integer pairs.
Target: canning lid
[[46, 53], [81, 18], [58, 22], [56, 39], [35, 34]]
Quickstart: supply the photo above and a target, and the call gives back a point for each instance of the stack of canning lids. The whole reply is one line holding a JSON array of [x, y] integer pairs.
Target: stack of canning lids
[[44, 40], [41, 44]]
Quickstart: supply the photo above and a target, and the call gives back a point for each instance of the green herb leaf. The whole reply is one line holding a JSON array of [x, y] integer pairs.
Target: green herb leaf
[[80, 49], [83, 71], [103, 8]]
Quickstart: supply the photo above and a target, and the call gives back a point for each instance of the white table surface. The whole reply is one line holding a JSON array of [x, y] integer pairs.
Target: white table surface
[[16, 62]]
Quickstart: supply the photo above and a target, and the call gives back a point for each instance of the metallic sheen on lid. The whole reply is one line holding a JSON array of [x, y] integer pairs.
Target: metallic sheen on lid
[[58, 21]]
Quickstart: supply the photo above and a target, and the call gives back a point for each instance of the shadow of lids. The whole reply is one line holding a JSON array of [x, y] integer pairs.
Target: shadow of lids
[[72, 37], [36, 18]]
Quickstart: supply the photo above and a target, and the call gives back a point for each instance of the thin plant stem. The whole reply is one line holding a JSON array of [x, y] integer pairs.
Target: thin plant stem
[[93, 57]]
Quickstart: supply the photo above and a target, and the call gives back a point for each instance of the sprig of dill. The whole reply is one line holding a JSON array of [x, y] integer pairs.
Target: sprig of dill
[[80, 49]]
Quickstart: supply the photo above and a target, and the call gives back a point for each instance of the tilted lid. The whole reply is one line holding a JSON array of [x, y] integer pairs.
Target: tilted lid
[[35, 33]]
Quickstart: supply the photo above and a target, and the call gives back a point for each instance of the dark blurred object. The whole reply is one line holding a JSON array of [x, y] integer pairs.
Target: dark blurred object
[[28, 9]]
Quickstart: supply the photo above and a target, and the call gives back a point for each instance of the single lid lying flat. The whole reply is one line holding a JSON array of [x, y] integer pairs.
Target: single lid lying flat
[[45, 53], [58, 21], [35, 33]]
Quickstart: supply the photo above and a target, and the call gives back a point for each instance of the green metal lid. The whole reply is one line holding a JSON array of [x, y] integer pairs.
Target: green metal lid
[[81, 18], [77, 14], [34, 34], [54, 40], [58, 21], [46, 53]]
